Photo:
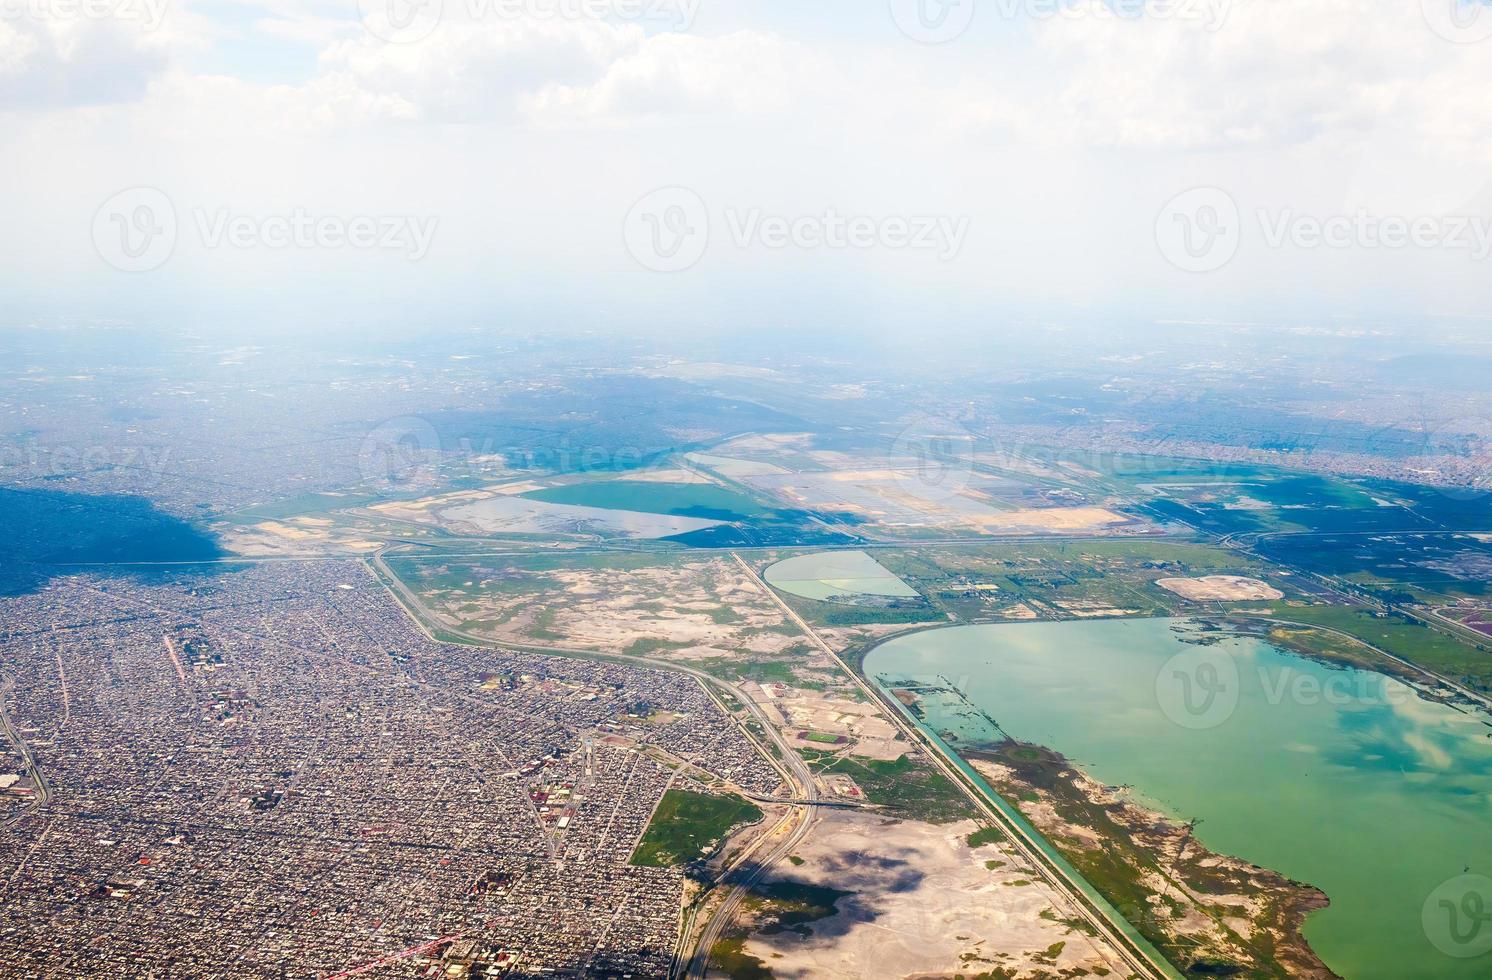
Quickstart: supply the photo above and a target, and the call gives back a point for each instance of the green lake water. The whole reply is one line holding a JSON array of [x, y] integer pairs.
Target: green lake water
[[826, 574], [704, 500], [1340, 778]]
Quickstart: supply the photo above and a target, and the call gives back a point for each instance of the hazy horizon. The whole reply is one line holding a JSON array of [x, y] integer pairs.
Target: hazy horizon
[[307, 163]]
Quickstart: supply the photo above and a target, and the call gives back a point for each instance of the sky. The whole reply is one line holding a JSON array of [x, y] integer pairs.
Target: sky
[[687, 165]]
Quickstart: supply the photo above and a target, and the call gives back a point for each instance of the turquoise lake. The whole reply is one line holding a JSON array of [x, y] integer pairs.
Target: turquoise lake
[[1344, 779]]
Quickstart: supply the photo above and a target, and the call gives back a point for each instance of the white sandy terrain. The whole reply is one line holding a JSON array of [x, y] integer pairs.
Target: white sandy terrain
[[1226, 588], [924, 904]]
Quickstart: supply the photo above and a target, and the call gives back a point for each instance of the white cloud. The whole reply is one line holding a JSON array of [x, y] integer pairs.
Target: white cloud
[[741, 74], [1274, 73], [473, 72], [531, 139], [56, 62]]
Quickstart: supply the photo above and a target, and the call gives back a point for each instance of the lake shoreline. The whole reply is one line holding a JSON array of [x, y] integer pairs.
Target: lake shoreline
[[1202, 909], [1328, 770]]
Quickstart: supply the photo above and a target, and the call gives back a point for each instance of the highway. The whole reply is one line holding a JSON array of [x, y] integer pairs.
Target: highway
[[1136, 959], [43, 790], [747, 870]]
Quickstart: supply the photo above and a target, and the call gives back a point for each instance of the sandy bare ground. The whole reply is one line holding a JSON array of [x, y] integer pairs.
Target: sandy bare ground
[[864, 726], [689, 609], [1052, 519], [672, 475], [1226, 588], [924, 904], [892, 496], [298, 536]]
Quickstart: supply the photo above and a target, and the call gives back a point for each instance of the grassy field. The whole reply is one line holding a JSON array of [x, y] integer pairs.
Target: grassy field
[[906, 788], [730, 958], [1415, 642], [1061, 579], [686, 824]]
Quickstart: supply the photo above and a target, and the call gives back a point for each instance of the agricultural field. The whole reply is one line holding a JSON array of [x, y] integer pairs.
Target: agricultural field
[[1457, 660], [1028, 580]]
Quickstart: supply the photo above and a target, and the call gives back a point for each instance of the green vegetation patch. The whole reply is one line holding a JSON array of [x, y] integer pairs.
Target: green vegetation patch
[[986, 835], [790, 906], [909, 788], [1059, 579], [687, 824], [730, 958], [1403, 637]]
